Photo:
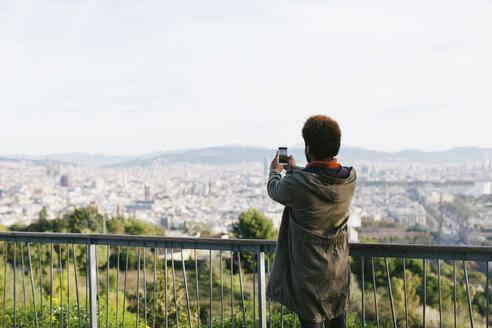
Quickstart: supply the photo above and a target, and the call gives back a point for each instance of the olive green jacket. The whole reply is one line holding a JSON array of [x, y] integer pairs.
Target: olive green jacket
[[311, 271]]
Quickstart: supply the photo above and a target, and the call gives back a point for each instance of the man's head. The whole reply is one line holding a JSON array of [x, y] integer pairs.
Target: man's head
[[322, 138]]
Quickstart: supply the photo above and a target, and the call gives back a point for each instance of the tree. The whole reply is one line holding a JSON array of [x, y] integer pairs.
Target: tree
[[18, 226], [116, 225], [136, 227], [83, 221], [252, 224], [43, 224], [194, 228]]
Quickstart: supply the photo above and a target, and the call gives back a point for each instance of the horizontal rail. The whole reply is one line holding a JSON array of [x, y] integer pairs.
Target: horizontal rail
[[245, 245], [469, 253]]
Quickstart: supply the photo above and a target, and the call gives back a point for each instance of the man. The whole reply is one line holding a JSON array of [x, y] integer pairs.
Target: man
[[311, 270]]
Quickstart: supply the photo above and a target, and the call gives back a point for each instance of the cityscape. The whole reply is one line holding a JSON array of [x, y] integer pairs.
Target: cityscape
[[138, 139], [395, 201]]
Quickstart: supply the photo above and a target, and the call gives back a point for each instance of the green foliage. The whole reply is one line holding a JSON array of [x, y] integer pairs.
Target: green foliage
[[18, 226], [43, 223], [413, 300], [164, 291], [414, 286], [131, 226], [44, 317], [253, 224], [354, 322], [281, 319], [136, 227], [193, 228], [88, 220], [236, 320], [43, 214], [116, 225], [82, 221], [414, 270]]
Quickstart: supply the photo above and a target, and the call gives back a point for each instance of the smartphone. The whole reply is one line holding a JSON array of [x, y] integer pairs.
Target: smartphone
[[282, 155]]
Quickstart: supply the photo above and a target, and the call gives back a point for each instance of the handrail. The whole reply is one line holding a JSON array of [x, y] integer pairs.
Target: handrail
[[247, 245], [451, 252]]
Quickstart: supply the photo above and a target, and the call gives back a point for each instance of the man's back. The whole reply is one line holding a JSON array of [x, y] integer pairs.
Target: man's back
[[318, 202]]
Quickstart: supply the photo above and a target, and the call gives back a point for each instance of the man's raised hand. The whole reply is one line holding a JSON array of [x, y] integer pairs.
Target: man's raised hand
[[291, 163], [275, 165]]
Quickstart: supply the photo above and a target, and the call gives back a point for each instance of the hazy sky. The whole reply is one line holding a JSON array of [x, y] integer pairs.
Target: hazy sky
[[131, 77]]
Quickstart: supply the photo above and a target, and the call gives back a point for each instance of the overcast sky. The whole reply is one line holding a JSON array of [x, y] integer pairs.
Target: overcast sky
[[132, 77]]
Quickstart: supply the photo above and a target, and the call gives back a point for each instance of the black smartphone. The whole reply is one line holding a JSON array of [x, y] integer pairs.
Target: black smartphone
[[282, 155]]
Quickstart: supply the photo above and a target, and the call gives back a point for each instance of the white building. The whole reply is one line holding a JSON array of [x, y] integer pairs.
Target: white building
[[354, 221], [410, 216]]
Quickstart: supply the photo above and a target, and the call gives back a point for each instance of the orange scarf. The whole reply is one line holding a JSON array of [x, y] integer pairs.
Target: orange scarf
[[333, 164]]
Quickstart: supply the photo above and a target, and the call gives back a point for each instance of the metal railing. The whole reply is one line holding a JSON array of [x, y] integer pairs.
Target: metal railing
[[163, 281]]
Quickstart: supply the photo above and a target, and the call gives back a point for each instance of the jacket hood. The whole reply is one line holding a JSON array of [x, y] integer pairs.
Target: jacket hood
[[328, 188]]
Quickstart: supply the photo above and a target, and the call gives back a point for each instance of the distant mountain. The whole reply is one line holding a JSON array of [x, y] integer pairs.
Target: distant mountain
[[352, 154], [40, 162], [82, 159], [238, 154], [455, 155], [460, 154], [210, 156]]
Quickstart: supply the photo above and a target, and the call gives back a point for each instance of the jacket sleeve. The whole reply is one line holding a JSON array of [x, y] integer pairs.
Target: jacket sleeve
[[278, 188]]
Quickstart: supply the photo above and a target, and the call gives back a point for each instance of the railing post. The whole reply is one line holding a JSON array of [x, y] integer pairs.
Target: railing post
[[261, 288], [92, 285]]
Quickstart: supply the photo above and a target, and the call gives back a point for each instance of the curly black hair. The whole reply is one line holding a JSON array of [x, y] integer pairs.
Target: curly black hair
[[322, 134]]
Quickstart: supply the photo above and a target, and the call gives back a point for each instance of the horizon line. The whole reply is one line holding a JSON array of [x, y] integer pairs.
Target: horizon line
[[162, 152]]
